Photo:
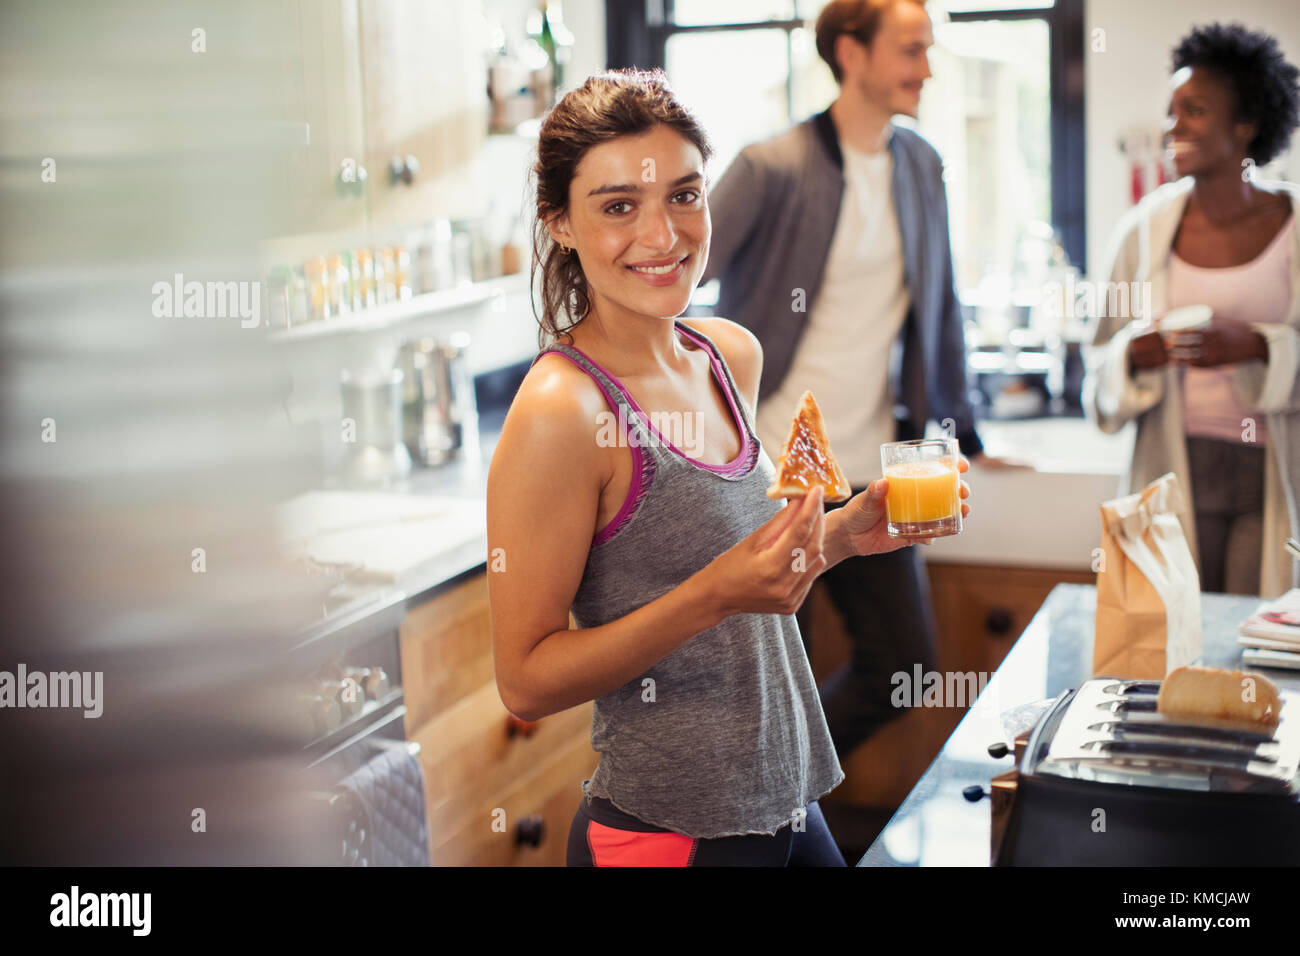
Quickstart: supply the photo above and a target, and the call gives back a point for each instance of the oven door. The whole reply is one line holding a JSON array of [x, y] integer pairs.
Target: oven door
[[341, 820]]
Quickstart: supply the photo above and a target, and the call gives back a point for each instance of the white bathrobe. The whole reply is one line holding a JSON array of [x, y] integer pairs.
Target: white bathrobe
[[1139, 251]]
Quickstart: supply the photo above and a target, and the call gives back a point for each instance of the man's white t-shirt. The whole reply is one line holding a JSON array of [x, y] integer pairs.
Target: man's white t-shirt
[[843, 355]]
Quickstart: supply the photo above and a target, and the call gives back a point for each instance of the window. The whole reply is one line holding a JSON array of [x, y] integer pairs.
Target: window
[[1005, 105], [988, 111], [765, 46]]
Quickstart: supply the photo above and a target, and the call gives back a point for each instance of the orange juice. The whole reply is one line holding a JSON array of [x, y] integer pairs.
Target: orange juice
[[924, 497]]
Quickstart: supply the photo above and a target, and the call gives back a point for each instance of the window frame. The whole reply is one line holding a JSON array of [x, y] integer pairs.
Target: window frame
[[637, 33]]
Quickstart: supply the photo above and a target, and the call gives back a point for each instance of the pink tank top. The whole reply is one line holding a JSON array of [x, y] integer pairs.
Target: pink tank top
[[1259, 291]]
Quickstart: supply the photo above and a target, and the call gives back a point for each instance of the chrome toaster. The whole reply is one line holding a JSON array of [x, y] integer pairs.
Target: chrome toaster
[[1104, 779]]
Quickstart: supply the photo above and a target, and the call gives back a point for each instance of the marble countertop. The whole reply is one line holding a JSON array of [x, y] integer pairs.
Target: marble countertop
[[465, 479], [936, 825]]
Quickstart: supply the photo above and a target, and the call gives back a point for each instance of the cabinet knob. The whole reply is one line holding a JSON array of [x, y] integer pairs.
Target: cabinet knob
[[530, 831], [516, 727], [402, 169], [998, 621], [999, 750], [974, 793]]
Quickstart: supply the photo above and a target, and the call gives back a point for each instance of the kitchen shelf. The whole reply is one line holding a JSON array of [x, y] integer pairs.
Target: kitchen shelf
[[389, 314]]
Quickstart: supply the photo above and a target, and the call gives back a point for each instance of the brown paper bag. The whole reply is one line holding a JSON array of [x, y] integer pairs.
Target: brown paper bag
[[1148, 588]]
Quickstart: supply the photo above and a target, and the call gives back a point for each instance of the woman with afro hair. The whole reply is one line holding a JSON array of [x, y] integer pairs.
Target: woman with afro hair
[[1219, 406]]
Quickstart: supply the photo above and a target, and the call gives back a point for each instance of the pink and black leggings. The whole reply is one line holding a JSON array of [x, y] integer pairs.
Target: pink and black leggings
[[603, 835]]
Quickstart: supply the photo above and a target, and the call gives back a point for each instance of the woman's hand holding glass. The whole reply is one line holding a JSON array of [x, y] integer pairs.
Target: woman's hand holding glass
[[862, 525]]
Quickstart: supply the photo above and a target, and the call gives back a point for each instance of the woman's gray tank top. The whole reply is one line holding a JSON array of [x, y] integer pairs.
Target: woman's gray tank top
[[725, 736]]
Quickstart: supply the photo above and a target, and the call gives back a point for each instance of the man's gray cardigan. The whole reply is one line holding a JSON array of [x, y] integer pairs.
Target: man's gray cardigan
[[774, 214]]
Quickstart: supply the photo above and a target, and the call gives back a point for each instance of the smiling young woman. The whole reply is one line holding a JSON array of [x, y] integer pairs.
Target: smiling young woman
[[682, 575], [1219, 407]]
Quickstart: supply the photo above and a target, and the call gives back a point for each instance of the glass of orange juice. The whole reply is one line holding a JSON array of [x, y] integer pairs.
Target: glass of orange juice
[[924, 487]]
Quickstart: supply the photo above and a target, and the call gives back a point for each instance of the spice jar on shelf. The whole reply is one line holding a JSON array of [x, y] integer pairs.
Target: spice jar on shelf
[[336, 279], [387, 281], [317, 288], [377, 257], [402, 272], [352, 287], [422, 278], [366, 271]]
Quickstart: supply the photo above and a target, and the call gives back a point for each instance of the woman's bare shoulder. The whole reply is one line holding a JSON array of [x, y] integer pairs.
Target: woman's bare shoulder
[[555, 384], [740, 349], [725, 333], [556, 414]]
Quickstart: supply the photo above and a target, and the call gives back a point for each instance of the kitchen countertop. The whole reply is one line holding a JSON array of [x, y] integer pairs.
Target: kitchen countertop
[[464, 479], [1047, 516], [936, 825]]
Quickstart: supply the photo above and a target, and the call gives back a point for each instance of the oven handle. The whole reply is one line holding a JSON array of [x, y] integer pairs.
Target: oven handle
[[387, 743], [367, 736]]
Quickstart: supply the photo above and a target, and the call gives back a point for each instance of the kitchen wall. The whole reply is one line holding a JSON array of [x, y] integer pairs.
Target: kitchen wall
[[1127, 86]]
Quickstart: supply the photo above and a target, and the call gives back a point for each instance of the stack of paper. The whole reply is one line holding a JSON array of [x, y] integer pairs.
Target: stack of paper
[[1271, 635]]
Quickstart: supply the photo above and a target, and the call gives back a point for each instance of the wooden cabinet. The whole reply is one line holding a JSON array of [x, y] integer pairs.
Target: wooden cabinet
[[323, 88], [374, 80], [424, 82], [481, 781], [980, 610]]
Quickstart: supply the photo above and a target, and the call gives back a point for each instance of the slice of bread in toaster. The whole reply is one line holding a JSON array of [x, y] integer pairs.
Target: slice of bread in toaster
[[1200, 692]]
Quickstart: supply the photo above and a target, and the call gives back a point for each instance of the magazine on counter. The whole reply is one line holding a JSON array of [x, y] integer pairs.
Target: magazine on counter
[[1272, 634]]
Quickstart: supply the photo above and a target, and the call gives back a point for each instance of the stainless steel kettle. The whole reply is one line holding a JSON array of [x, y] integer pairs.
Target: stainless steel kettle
[[438, 407]]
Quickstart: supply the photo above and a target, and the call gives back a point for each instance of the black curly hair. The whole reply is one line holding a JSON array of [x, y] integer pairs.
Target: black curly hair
[[1262, 81]]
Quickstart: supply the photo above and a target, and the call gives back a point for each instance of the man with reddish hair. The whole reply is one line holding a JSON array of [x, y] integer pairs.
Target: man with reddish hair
[[831, 244]]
